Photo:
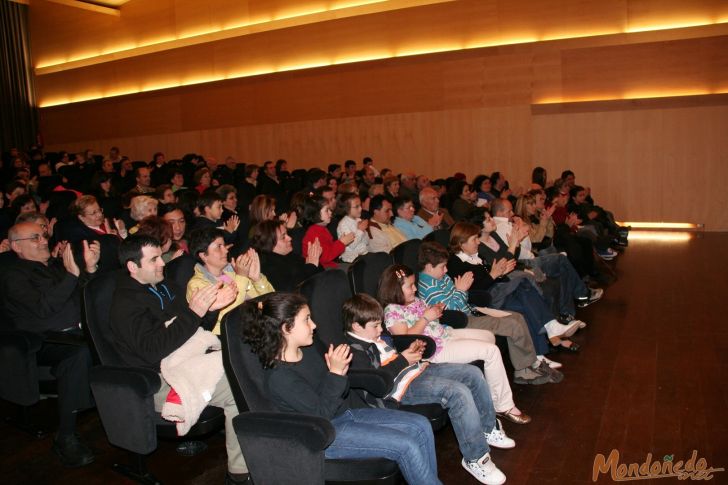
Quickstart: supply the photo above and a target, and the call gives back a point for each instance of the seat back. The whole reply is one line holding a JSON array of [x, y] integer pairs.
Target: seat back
[[365, 271], [406, 253], [180, 270], [242, 367], [441, 236], [18, 368], [98, 296], [326, 292]]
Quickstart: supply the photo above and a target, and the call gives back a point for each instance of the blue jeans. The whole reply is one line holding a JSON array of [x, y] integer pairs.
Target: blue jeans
[[387, 433], [462, 390], [527, 301], [558, 266]]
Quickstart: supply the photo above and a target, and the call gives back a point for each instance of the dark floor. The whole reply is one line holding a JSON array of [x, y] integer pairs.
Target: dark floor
[[648, 380]]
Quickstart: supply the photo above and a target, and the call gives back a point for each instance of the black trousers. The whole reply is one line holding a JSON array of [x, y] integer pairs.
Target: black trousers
[[70, 364]]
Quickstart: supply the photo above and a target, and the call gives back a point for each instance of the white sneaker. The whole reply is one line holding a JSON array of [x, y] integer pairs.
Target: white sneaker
[[497, 437], [555, 329], [549, 362], [484, 470]]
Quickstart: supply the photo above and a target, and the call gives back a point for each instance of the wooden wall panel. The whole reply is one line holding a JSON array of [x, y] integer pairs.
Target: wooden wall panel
[[442, 26], [468, 109], [648, 69], [650, 165]]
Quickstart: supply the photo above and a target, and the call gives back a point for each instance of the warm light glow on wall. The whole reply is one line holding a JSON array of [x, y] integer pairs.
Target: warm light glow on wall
[[126, 48], [660, 237], [406, 51], [630, 95], [660, 225], [681, 24]]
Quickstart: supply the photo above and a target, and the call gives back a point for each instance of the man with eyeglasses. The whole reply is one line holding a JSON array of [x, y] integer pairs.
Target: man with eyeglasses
[[42, 294]]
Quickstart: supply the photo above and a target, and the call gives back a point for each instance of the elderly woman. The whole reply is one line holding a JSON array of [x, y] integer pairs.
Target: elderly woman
[[242, 275], [140, 207], [410, 224], [285, 269], [89, 224], [90, 221]]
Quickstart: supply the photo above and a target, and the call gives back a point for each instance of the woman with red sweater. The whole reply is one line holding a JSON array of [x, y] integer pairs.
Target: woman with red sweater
[[317, 215]]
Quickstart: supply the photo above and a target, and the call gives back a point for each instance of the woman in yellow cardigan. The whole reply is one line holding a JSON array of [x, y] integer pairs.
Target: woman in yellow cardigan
[[243, 273]]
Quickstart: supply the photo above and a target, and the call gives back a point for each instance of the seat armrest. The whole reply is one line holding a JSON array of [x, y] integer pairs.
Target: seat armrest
[[401, 342], [374, 381], [19, 374], [144, 382], [125, 401], [284, 448], [313, 432], [24, 341]]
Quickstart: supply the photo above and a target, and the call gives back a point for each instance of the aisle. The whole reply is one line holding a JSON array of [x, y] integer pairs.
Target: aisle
[[648, 378]]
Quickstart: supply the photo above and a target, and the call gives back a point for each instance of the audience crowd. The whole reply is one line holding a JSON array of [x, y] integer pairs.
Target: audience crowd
[[513, 263]]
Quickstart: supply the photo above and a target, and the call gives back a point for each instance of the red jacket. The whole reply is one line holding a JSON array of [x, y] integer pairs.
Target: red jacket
[[330, 249]]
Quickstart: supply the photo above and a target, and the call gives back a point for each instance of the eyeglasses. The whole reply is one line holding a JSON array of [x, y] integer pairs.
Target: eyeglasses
[[35, 238]]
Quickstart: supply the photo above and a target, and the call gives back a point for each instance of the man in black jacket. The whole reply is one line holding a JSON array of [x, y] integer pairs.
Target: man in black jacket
[[43, 295], [150, 319]]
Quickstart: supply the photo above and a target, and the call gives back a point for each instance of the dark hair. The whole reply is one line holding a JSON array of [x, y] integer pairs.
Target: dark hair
[[333, 167], [478, 181], [376, 203], [160, 190], [390, 284], [23, 199], [538, 176], [173, 173], [263, 320], [312, 209], [130, 248], [156, 227], [138, 170], [400, 202], [495, 177], [361, 308], [572, 193], [431, 252], [264, 235], [456, 189], [279, 164], [154, 157], [460, 233], [323, 189], [225, 190], [343, 203], [250, 168], [349, 163], [366, 160], [207, 199], [566, 173], [314, 175], [200, 239]]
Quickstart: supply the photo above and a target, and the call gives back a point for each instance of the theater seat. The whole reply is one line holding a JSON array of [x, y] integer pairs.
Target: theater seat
[[125, 395], [21, 379], [326, 292], [285, 448]]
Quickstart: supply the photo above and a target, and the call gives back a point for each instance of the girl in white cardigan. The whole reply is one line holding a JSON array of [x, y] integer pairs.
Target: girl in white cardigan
[[350, 204]]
